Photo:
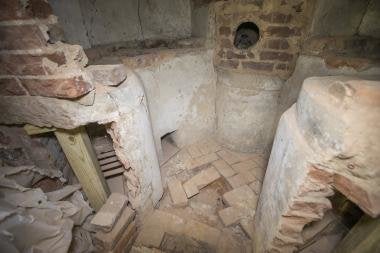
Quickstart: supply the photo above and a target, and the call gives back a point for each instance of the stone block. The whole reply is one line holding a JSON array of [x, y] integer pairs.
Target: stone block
[[242, 197], [237, 180], [10, 87], [244, 166], [223, 168], [209, 146], [277, 56], [194, 151], [276, 17], [28, 64], [126, 240], [202, 232], [200, 180], [256, 186], [277, 44], [283, 31], [231, 215], [110, 212], [109, 75], [229, 156], [177, 193], [151, 237], [190, 188], [259, 66], [156, 225], [203, 160], [107, 240], [247, 226]]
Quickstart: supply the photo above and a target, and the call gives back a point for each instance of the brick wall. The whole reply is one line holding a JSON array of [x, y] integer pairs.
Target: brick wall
[[29, 63], [281, 24]]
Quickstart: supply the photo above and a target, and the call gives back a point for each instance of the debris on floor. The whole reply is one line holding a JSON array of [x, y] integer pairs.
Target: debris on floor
[[47, 218], [210, 202]]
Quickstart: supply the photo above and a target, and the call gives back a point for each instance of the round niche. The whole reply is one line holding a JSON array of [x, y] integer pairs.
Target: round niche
[[247, 35]]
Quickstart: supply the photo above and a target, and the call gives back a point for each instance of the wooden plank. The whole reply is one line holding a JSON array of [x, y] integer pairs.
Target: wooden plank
[[111, 166], [108, 160], [113, 172], [79, 152], [107, 154], [364, 237], [33, 130]]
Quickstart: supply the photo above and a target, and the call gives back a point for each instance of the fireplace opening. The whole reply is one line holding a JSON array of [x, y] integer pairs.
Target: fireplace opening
[[247, 35], [169, 147]]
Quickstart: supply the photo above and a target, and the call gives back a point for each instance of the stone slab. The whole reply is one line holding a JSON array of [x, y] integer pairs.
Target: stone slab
[[242, 197], [108, 240], [109, 75], [203, 160], [200, 180], [224, 169], [127, 238], [231, 215], [190, 189], [247, 226], [256, 186], [237, 180], [177, 193], [202, 232], [110, 212]]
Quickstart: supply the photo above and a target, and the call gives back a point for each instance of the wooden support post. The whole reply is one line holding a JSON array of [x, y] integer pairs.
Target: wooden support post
[[79, 152], [364, 237]]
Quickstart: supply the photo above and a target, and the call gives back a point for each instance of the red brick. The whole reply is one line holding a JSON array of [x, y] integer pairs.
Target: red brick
[[250, 55], [277, 44], [282, 66], [21, 37], [261, 66], [229, 64], [276, 17], [61, 88], [279, 56], [26, 64], [283, 31], [15, 10], [232, 55], [39, 9], [226, 43], [10, 87], [224, 30]]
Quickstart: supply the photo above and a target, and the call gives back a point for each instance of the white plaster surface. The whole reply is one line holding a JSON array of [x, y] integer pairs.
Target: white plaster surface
[[181, 96], [246, 110]]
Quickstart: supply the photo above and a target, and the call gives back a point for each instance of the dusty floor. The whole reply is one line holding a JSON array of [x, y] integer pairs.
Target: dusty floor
[[217, 219]]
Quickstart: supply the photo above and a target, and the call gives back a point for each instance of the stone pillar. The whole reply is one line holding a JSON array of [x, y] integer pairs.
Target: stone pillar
[[246, 110], [134, 143]]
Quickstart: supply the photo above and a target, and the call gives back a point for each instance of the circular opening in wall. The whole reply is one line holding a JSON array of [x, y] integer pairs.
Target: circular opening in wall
[[247, 34]]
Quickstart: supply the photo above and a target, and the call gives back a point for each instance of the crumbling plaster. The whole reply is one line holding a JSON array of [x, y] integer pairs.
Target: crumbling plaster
[[178, 94], [327, 141]]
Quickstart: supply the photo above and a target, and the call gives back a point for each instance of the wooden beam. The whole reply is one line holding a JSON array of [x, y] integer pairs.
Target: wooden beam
[[364, 237], [32, 130], [79, 152]]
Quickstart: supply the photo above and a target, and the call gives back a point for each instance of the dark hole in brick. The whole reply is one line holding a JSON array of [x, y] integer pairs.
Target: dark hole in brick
[[247, 34]]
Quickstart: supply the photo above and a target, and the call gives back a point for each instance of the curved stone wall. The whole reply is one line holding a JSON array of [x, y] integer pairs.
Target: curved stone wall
[[246, 109]]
